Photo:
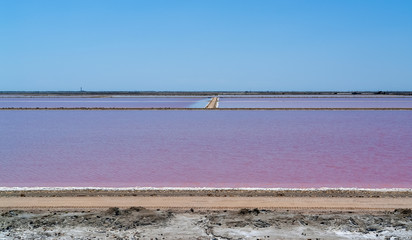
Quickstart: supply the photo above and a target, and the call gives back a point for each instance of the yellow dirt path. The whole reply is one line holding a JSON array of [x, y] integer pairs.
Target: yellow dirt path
[[314, 203], [212, 103]]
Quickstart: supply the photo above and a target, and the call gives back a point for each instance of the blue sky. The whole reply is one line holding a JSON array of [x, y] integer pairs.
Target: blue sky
[[269, 45]]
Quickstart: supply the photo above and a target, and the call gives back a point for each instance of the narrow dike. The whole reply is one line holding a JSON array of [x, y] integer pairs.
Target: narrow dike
[[212, 103]]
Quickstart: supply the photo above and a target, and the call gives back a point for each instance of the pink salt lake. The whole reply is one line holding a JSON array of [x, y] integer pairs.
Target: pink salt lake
[[301, 149]]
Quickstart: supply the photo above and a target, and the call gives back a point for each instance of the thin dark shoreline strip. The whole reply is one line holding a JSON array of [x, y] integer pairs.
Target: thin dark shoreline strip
[[212, 109], [354, 193]]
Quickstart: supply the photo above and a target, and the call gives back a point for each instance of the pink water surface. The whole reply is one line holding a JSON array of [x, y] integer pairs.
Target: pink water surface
[[104, 102], [315, 102], [206, 148]]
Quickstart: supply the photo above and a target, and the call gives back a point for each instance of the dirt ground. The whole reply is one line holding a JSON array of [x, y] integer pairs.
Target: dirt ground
[[141, 223], [205, 214], [211, 203]]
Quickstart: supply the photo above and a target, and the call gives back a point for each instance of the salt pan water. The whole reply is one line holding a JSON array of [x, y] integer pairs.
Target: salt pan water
[[104, 102], [206, 148], [315, 102]]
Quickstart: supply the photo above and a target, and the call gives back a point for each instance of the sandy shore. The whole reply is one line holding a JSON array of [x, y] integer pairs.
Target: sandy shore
[[211, 203], [206, 198], [50, 213]]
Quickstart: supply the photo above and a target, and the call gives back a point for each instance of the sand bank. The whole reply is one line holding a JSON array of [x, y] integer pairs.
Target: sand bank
[[212, 203], [206, 213]]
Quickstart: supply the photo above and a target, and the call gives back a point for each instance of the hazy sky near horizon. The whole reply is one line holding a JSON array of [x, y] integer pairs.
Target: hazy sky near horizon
[[185, 45]]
